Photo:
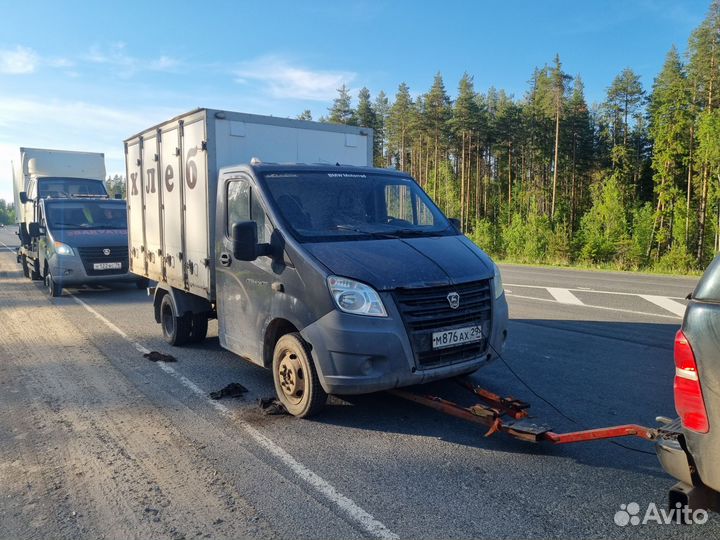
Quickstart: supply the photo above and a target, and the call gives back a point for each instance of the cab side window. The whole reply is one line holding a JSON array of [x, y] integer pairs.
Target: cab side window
[[258, 215], [238, 203]]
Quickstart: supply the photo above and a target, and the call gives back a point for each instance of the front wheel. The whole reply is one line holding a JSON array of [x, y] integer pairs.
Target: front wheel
[[25, 267], [296, 381], [53, 289], [176, 329]]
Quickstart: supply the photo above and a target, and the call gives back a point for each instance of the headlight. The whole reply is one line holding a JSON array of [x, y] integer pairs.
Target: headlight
[[63, 249], [497, 279], [354, 297]]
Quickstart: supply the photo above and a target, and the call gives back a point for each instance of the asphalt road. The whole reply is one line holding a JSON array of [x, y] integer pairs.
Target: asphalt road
[[598, 346]]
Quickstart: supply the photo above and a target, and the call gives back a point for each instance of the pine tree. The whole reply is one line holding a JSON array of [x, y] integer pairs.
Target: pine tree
[[367, 117], [464, 122], [382, 111], [670, 120], [580, 148], [399, 121], [341, 111], [559, 83], [703, 51], [305, 115], [437, 113]]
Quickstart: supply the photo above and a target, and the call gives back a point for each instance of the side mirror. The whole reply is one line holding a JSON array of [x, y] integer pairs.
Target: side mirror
[[455, 222], [35, 229], [245, 240], [23, 197]]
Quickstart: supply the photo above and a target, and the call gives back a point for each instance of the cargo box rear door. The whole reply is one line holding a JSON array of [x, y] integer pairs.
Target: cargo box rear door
[[172, 206], [196, 205], [151, 190], [135, 208]]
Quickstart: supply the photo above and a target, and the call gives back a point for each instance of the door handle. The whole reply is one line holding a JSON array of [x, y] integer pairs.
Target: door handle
[[225, 258]]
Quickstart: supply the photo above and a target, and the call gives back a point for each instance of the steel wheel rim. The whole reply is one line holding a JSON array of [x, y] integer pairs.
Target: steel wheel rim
[[291, 376]]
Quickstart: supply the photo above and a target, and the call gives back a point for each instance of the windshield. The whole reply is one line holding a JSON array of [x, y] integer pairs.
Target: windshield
[[69, 187], [331, 206], [86, 215]]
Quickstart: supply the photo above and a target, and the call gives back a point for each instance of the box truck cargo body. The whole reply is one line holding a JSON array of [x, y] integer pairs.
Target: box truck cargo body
[[172, 172], [339, 277], [40, 172]]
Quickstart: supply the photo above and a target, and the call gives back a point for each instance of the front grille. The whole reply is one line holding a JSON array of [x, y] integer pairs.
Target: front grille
[[427, 310], [92, 255]]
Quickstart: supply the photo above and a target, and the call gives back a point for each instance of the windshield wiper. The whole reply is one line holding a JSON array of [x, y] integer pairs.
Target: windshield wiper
[[373, 234], [67, 225], [416, 232]]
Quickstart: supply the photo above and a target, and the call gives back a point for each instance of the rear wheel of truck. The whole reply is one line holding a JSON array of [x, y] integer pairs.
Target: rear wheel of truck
[[176, 329], [53, 289], [296, 381], [198, 327]]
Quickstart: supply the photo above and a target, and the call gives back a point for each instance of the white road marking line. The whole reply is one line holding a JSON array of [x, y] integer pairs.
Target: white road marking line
[[599, 307], [581, 289], [564, 296], [11, 250], [666, 303], [365, 520]]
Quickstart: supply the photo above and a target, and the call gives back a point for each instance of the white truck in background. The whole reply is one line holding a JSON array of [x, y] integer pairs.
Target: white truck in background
[[42, 173]]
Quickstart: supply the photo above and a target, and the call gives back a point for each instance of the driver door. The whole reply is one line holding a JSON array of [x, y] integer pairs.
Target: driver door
[[243, 288]]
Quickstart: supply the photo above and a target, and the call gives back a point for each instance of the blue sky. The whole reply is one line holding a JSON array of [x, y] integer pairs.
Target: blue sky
[[86, 75]]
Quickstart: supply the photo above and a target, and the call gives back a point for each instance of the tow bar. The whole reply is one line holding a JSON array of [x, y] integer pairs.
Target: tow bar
[[509, 415]]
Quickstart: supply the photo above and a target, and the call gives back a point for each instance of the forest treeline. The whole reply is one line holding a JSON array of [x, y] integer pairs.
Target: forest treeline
[[632, 182]]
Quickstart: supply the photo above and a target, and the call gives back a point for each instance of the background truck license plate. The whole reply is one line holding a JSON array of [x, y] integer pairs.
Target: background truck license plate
[[107, 266]]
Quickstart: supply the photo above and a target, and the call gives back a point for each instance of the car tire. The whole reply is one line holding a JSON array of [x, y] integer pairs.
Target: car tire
[[35, 274], [296, 380], [175, 329], [198, 327], [25, 267], [53, 289]]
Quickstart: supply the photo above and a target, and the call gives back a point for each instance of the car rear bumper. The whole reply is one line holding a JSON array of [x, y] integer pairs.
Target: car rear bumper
[[675, 460]]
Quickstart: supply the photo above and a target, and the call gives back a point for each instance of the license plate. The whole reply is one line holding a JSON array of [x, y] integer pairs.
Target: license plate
[[456, 336], [107, 266]]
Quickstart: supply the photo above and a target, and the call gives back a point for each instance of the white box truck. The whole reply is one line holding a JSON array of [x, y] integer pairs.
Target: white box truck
[[41, 173], [339, 277]]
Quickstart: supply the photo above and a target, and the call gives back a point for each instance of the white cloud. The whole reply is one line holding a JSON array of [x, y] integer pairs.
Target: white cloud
[[164, 63], [69, 125], [126, 64], [286, 81], [18, 61]]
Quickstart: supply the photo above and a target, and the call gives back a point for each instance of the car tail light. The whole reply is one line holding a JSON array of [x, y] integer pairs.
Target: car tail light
[[689, 402]]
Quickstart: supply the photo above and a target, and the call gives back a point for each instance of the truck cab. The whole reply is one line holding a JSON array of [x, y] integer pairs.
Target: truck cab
[[345, 280], [80, 241]]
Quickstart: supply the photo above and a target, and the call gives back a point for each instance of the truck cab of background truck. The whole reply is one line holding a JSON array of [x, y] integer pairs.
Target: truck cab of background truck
[[81, 241], [345, 280]]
